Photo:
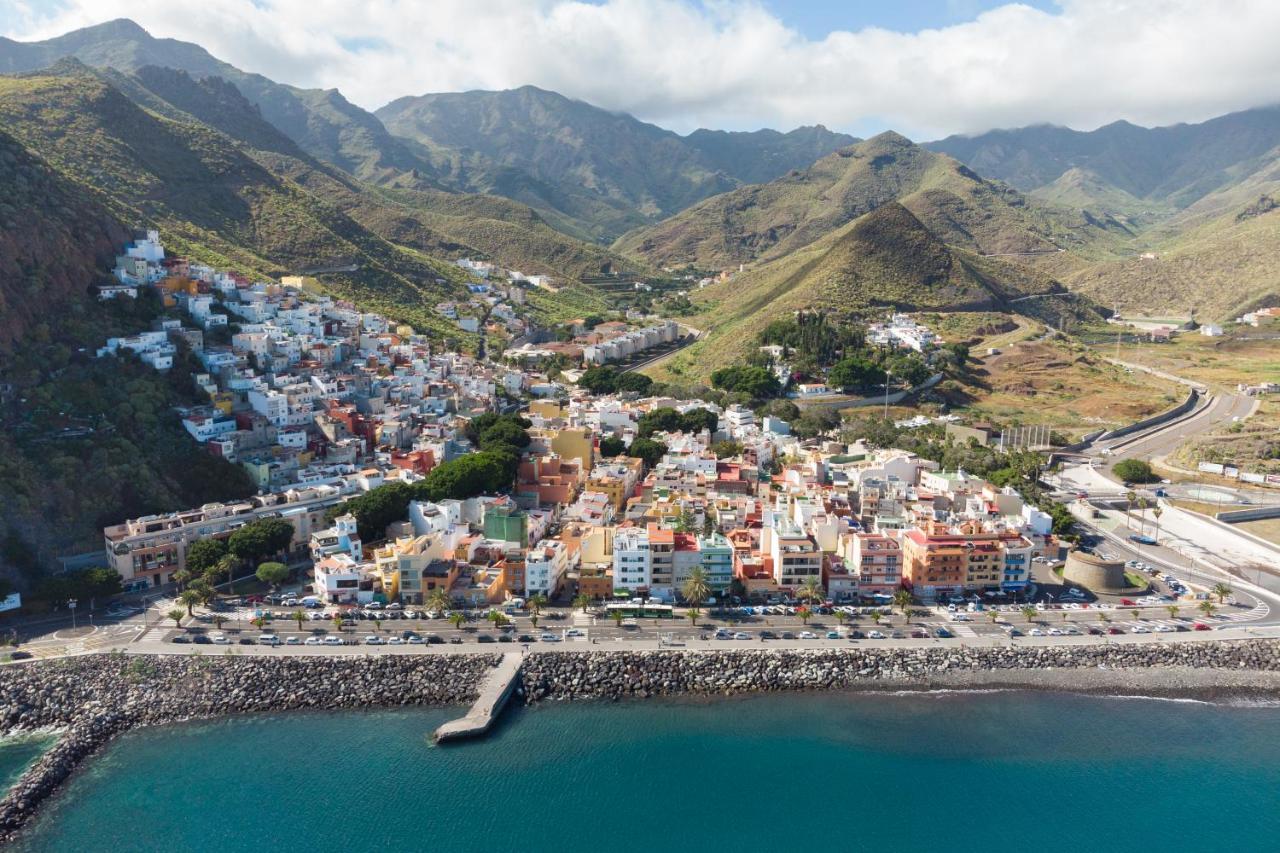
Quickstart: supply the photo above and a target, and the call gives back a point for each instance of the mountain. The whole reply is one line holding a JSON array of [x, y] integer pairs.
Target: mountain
[[1173, 166], [212, 200], [770, 220], [604, 172], [322, 122], [885, 258]]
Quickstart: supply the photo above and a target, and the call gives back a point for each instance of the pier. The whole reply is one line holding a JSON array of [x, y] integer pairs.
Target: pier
[[494, 693]]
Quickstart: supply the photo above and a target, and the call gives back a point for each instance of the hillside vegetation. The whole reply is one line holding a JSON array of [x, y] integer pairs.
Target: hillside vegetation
[[770, 220], [885, 259]]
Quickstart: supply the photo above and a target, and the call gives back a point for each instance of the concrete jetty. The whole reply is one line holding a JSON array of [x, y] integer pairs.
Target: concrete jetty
[[494, 693]]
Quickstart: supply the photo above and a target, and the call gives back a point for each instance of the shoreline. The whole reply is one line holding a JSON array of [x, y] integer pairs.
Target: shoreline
[[88, 701]]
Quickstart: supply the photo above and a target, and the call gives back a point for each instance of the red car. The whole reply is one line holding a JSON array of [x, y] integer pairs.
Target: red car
[[1200, 626], [1115, 630], [1127, 602]]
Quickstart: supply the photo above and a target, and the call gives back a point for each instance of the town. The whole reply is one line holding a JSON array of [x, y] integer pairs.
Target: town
[[397, 480]]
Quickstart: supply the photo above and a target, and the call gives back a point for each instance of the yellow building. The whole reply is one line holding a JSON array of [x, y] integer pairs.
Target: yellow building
[[575, 443], [305, 282]]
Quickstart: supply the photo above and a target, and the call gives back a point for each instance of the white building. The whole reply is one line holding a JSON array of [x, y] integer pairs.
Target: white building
[[545, 567], [632, 559]]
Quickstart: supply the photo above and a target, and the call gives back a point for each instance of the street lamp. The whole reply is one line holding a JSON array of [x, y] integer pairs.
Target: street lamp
[[71, 604], [888, 374]]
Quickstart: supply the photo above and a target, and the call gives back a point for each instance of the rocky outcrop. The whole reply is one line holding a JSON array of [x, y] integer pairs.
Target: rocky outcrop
[[97, 697], [619, 675]]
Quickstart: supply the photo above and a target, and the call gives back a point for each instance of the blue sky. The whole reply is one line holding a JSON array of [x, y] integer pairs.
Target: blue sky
[[816, 18]]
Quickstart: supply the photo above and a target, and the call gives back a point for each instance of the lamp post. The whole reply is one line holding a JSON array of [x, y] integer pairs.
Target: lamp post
[[888, 374], [71, 605]]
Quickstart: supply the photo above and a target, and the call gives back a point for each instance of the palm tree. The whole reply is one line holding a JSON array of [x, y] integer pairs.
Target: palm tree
[[1130, 496], [812, 591], [337, 622], [1029, 612], [1104, 618], [181, 577], [694, 614], [696, 589], [258, 622], [438, 600], [583, 601], [536, 603], [456, 618], [1173, 611], [805, 614], [617, 615], [876, 616], [842, 617], [497, 618], [533, 618], [299, 617], [902, 600], [1143, 503], [377, 624], [1221, 590], [218, 621], [176, 615], [1208, 607], [190, 598], [993, 616], [1157, 512]]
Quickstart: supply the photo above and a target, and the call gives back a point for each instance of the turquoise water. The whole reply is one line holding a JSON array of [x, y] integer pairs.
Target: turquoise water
[[17, 754], [980, 772]]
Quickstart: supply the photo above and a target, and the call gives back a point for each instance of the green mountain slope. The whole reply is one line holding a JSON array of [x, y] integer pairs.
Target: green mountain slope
[[770, 220], [601, 172], [886, 258], [1174, 165], [322, 122], [212, 200]]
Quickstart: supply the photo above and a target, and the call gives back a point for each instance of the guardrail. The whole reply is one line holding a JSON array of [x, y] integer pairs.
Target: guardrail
[[1193, 399]]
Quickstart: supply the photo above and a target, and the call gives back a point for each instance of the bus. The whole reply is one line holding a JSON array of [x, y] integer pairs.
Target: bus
[[631, 610]]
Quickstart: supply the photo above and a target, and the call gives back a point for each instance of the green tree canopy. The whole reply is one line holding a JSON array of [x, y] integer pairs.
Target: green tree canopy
[[611, 446], [261, 538], [273, 573], [758, 382], [204, 555], [647, 449], [1135, 471]]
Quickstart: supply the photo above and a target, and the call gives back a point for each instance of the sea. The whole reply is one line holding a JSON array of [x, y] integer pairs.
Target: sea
[[988, 771]]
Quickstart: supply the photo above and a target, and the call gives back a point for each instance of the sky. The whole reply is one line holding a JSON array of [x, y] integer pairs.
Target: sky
[[926, 68]]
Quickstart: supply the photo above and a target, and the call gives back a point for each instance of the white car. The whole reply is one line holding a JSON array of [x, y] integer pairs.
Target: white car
[[808, 635], [549, 638], [875, 635], [575, 632], [1035, 632], [1054, 632], [742, 635], [221, 639], [415, 640], [1164, 629], [373, 640], [293, 641], [313, 641], [395, 641], [333, 641], [1141, 629]]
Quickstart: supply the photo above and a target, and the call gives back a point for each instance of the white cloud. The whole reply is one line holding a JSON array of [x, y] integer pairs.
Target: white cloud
[[685, 64]]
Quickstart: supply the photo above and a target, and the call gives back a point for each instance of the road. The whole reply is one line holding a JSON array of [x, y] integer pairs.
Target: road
[[1219, 410]]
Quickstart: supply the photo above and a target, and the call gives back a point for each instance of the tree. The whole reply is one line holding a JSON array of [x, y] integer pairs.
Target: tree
[[182, 577], [337, 622], [993, 616], [611, 446], [876, 616], [536, 602], [812, 591], [856, 374], [261, 538], [757, 382], [1156, 513], [648, 450], [1208, 607], [176, 615], [1134, 471], [377, 624], [1221, 590], [497, 618], [456, 618], [1029, 612], [902, 600], [726, 449], [377, 508], [618, 616], [273, 574], [583, 601], [204, 555], [842, 617], [203, 590], [694, 615], [1173, 610], [696, 589], [805, 614], [299, 617], [1131, 497], [438, 600], [189, 599]]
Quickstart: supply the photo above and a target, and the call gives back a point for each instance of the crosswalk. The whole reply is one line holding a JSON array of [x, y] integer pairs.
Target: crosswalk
[[962, 630], [1259, 611]]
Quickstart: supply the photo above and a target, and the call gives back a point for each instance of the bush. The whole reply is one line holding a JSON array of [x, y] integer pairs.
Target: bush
[[1135, 471], [758, 382]]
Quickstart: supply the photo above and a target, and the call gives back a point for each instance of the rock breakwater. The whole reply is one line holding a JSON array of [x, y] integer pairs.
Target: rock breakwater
[[639, 674], [95, 698]]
